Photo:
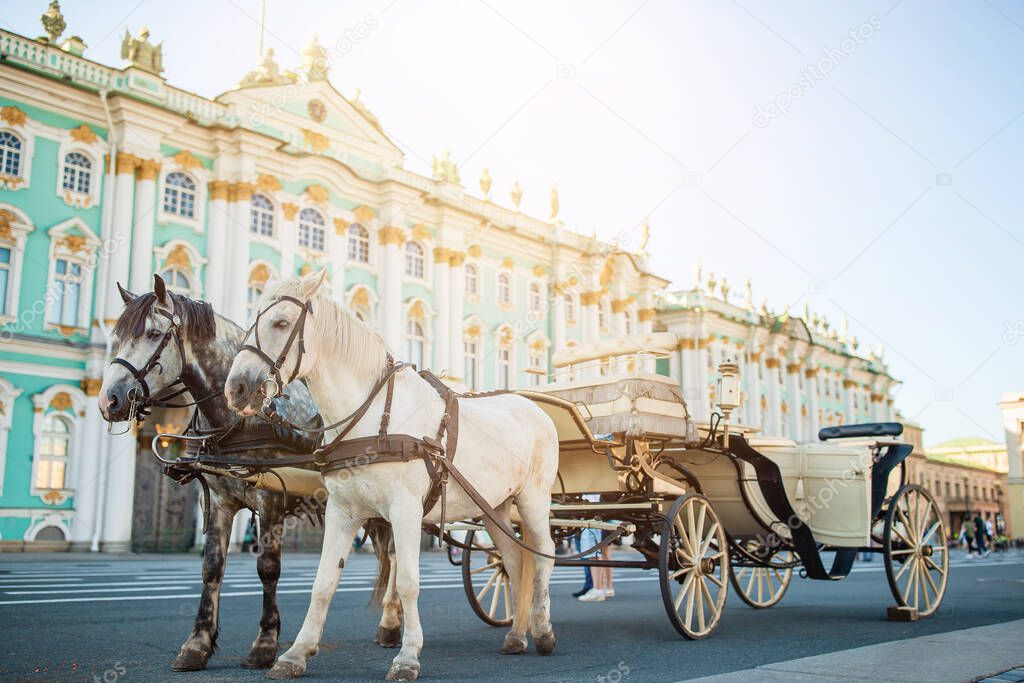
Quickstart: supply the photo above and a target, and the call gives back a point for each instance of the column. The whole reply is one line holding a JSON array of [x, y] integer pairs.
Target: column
[[773, 419], [390, 284], [795, 402], [142, 227], [558, 324], [619, 306], [700, 365], [86, 469], [119, 493], [754, 370], [456, 296], [120, 253], [216, 269], [689, 380], [849, 391], [811, 377], [443, 319], [237, 276], [645, 318]]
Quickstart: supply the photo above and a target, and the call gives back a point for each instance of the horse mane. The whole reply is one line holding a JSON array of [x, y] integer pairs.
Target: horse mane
[[338, 328], [197, 317]]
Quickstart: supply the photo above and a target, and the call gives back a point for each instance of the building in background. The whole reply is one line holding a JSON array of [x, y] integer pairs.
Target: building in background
[[963, 484], [109, 175], [1012, 406]]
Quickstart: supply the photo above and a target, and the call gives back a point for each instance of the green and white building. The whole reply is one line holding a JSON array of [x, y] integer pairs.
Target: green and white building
[[109, 174]]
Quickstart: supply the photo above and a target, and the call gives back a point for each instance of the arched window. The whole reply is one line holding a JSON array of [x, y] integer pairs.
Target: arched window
[[311, 230], [54, 447], [471, 353], [570, 307], [180, 195], [178, 280], [504, 289], [261, 221], [535, 297], [537, 370], [77, 173], [10, 154], [252, 299], [414, 262], [358, 243], [504, 367], [65, 293], [414, 342], [472, 282]]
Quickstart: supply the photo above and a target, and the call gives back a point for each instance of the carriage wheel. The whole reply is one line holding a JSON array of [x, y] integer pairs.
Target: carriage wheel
[[916, 557], [763, 587], [487, 584], [692, 563]]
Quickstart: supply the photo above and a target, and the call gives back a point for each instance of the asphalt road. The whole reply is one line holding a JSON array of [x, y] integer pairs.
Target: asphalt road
[[83, 617]]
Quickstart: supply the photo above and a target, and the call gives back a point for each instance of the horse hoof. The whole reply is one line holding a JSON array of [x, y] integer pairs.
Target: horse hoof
[[388, 637], [545, 644], [404, 672], [190, 660], [261, 657], [284, 670], [513, 645]]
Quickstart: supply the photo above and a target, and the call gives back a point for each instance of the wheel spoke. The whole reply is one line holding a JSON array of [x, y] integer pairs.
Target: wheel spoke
[[931, 582], [750, 583], [691, 534], [718, 582], [937, 568], [903, 570], [902, 551], [927, 536], [706, 594], [910, 584], [492, 565], [705, 544], [508, 599], [490, 582], [700, 602], [494, 598]]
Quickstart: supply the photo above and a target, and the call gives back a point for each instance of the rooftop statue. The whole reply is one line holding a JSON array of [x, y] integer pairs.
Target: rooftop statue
[[315, 63], [445, 169], [142, 53], [53, 22], [266, 73]]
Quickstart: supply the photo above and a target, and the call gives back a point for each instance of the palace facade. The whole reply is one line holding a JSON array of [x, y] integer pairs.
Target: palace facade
[[109, 175]]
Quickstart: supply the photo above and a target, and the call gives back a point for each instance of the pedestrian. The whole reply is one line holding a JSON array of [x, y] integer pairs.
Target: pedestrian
[[588, 539], [980, 532], [969, 533], [588, 577]]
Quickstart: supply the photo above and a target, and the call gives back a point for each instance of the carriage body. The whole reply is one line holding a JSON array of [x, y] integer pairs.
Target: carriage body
[[776, 505]]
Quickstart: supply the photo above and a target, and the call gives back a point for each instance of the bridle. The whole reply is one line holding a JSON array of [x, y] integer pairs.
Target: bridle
[[139, 396], [274, 385]]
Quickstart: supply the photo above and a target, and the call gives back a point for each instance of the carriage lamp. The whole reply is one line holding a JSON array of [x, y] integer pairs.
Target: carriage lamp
[[727, 392]]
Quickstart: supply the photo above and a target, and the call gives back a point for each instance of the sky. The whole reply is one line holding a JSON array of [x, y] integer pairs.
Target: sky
[[863, 158]]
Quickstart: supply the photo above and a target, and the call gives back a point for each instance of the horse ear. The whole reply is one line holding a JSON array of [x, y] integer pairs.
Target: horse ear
[[312, 283], [126, 296], [160, 289]]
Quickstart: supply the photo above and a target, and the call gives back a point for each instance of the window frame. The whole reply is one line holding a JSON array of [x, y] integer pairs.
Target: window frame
[[510, 301], [81, 250], [263, 211], [354, 243], [8, 397], [471, 296], [313, 227], [23, 179], [196, 262], [73, 414], [66, 278], [181, 191], [423, 261], [200, 176], [408, 338], [20, 229]]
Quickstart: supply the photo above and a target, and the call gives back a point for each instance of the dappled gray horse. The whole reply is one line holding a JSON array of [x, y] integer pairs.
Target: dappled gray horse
[[164, 341]]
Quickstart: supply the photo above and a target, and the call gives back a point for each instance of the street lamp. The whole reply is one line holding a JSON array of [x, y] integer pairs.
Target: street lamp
[[727, 390]]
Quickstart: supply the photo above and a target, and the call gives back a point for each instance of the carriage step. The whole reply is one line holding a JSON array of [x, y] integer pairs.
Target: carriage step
[[897, 613]]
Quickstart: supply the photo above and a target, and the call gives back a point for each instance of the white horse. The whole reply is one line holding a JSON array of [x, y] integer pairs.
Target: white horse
[[507, 448]]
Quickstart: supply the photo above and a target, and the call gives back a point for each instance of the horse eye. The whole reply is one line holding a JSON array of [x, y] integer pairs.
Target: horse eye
[[153, 333], [281, 323]]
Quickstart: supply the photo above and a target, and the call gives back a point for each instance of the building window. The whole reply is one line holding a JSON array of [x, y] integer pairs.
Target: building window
[[535, 297], [504, 289], [472, 282], [470, 352], [65, 293], [252, 299], [311, 230], [601, 319], [180, 195], [358, 243], [537, 370], [10, 154], [177, 280], [570, 307], [414, 265], [629, 322], [504, 367], [261, 221], [77, 173], [414, 343], [5, 277], [52, 457]]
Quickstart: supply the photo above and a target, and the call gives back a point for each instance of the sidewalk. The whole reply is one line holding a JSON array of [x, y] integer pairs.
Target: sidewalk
[[968, 655]]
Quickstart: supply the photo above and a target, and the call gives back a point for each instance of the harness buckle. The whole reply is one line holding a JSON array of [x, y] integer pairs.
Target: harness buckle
[[270, 388]]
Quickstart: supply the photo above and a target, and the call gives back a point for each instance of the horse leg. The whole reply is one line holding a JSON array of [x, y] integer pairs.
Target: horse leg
[[389, 632], [511, 556], [406, 524], [268, 565], [340, 529], [534, 507], [201, 643]]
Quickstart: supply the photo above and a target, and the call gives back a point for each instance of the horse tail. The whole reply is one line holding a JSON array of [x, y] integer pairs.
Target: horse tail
[[527, 571], [380, 534]]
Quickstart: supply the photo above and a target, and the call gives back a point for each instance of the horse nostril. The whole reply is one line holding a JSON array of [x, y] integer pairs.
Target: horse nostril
[[240, 389], [112, 399]]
